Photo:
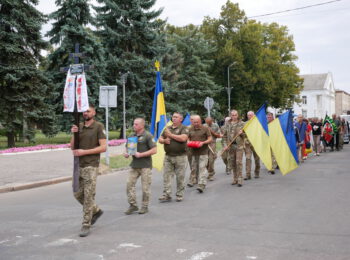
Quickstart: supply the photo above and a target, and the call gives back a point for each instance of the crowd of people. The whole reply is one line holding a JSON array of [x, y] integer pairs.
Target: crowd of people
[[193, 145]]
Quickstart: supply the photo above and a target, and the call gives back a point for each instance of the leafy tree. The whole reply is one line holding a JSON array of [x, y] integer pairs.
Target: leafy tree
[[70, 26], [194, 83], [23, 88], [259, 57], [130, 32]]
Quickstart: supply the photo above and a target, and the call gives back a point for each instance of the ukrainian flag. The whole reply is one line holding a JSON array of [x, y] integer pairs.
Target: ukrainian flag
[[283, 142], [159, 119], [257, 132]]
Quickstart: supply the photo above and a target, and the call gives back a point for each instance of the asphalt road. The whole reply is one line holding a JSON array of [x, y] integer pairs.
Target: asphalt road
[[303, 215]]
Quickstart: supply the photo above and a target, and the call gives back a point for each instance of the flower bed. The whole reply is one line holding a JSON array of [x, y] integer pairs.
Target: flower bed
[[114, 142]]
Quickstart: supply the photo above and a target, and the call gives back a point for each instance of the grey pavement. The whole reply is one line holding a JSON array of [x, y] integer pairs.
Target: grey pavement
[[303, 215], [27, 170]]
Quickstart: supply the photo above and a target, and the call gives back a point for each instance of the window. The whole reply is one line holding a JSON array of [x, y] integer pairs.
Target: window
[[304, 100]]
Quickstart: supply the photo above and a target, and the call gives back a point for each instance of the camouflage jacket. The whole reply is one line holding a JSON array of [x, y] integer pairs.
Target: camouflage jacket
[[230, 131]]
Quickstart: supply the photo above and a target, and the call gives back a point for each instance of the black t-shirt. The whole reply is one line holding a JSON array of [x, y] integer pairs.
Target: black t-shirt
[[316, 128]]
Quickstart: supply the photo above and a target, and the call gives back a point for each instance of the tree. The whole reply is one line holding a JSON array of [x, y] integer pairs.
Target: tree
[[261, 58], [70, 26], [194, 83], [130, 32], [23, 88]]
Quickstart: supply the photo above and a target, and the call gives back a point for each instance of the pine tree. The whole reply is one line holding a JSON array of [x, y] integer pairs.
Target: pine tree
[[23, 88], [70, 26], [194, 82], [131, 34]]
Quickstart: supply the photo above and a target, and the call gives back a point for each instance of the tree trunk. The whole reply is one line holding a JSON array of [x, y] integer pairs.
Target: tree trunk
[[121, 133], [10, 139]]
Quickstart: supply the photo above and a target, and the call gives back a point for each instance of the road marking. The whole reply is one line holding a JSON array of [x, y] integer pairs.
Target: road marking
[[63, 241], [181, 250], [252, 257], [201, 255], [4, 241], [128, 245]]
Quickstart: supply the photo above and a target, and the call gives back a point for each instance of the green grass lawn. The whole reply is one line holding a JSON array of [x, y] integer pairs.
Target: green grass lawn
[[60, 138], [116, 162]]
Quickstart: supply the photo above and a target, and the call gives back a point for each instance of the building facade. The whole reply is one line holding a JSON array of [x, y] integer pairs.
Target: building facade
[[317, 97], [342, 102]]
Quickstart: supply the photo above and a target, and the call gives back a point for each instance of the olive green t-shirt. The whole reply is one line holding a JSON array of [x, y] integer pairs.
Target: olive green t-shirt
[[89, 137], [145, 142], [176, 148], [199, 134]]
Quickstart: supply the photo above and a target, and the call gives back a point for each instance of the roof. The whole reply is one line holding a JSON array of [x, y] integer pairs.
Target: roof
[[314, 81]]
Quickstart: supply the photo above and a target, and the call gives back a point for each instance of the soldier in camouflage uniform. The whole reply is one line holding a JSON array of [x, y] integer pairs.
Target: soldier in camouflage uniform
[[249, 151], [174, 139], [235, 150], [193, 179], [92, 142], [198, 132], [141, 166], [224, 154], [215, 133]]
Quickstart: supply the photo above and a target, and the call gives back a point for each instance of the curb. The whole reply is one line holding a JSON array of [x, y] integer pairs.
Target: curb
[[37, 184]]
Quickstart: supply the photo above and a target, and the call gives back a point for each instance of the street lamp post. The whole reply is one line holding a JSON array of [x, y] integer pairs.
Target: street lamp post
[[228, 86], [123, 78]]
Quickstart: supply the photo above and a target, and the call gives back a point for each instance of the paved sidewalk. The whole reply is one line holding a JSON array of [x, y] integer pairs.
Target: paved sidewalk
[[34, 169]]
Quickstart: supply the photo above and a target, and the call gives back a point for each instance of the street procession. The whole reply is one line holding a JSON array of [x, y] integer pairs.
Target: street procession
[[158, 129]]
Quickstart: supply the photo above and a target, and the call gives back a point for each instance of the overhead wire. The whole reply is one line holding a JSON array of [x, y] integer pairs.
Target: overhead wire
[[294, 9]]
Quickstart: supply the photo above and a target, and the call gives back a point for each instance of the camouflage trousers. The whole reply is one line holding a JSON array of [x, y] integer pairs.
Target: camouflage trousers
[[86, 193], [249, 151], [193, 174], [199, 169], [174, 165], [274, 162], [211, 160], [146, 180], [235, 157]]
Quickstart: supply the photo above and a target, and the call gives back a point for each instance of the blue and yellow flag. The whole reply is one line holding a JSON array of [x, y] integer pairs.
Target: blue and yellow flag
[[257, 132], [159, 119], [283, 142], [187, 120]]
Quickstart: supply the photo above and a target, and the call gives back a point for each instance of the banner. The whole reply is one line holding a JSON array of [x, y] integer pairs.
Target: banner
[[81, 93], [68, 94]]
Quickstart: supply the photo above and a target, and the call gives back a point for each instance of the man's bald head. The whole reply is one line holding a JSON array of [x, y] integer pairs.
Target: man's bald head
[[196, 121]]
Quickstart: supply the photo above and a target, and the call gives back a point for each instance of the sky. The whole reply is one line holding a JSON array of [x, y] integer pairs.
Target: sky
[[321, 34]]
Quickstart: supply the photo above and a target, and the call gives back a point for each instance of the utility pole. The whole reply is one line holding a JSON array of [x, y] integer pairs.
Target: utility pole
[[228, 87], [124, 78]]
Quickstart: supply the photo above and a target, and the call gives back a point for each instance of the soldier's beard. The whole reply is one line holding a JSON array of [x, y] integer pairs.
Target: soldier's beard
[[87, 119]]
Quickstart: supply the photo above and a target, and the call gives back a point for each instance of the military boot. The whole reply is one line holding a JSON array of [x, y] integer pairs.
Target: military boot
[[131, 209], [143, 210], [96, 216], [165, 198], [85, 231]]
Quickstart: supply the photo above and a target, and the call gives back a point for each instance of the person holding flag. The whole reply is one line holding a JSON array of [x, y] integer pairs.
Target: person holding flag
[[174, 138], [234, 143], [249, 152]]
